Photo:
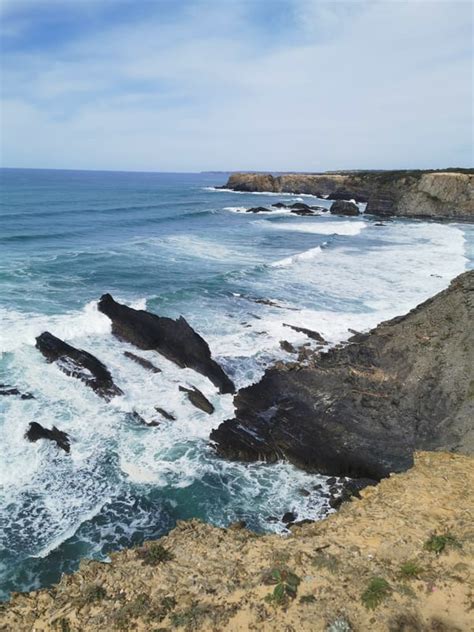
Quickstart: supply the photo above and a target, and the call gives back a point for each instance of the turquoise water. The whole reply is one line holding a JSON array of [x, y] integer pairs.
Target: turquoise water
[[172, 244]]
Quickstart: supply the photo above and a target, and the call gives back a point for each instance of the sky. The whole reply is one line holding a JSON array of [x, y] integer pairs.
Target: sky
[[194, 85]]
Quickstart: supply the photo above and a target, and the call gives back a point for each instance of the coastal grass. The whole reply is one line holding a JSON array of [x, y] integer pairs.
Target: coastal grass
[[410, 570], [377, 590], [154, 554], [438, 543]]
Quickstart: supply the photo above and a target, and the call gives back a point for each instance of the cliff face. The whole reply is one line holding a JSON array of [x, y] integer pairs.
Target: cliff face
[[362, 409], [440, 195], [221, 579]]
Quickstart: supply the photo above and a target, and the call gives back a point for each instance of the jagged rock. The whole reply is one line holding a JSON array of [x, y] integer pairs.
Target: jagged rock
[[363, 408], [314, 335], [165, 414], [146, 364], [78, 363], [258, 209], [37, 431], [289, 516], [137, 418], [5, 389], [342, 207], [287, 346], [174, 339], [303, 212], [198, 399]]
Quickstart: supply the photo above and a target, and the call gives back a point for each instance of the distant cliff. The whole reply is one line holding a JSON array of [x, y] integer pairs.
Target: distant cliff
[[434, 194]]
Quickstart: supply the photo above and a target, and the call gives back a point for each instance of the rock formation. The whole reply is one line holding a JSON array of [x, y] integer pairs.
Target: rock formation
[[361, 410], [342, 207], [445, 194], [78, 363], [37, 431], [176, 340]]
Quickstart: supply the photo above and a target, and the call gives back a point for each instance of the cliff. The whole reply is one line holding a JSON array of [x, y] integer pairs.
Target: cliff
[[363, 408], [397, 560], [436, 194]]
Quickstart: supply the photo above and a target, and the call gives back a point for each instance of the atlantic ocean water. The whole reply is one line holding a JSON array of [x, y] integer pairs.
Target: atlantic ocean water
[[173, 244]]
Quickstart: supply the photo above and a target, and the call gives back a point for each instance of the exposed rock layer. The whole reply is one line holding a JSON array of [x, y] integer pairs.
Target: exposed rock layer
[[174, 339], [439, 194], [216, 577], [362, 409]]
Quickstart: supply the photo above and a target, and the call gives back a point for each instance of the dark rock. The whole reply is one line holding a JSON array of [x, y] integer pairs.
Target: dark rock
[[287, 346], [137, 418], [5, 389], [258, 209], [279, 205], [289, 516], [300, 206], [198, 399], [271, 519], [318, 486], [165, 414], [304, 492], [344, 208], [363, 409], [174, 339], [314, 335], [78, 363], [146, 364], [37, 431], [303, 213], [332, 480]]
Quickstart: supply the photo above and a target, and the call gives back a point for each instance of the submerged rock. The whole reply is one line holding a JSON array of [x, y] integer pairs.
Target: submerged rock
[[37, 431], [362, 409], [258, 209], [165, 414], [146, 364], [6, 389], [314, 335], [176, 340], [78, 363], [342, 207], [198, 399]]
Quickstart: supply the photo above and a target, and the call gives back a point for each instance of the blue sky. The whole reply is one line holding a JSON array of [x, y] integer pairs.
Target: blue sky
[[170, 85]]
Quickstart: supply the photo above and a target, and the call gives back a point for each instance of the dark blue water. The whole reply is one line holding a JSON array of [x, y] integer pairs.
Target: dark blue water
[[172, 244]]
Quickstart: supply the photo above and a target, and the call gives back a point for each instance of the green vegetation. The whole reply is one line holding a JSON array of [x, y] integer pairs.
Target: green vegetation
[[307, 599], [437, 543], [377, 590], [339, 625], [154, 554], [93, 592], [327, 561], [410, 569], [286, 586]]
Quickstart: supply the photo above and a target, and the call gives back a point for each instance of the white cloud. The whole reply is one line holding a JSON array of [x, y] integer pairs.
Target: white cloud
[[387, 84]]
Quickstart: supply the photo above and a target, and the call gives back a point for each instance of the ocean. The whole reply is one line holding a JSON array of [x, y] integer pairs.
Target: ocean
[[174, 245]]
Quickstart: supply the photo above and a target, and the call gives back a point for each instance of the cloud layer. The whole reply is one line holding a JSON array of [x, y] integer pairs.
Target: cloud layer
[[290, 85]]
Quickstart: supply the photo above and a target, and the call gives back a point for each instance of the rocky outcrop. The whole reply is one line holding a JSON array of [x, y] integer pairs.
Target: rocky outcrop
[[36, 431], [361, 410], [78, 363], [445, 194], [176, 340], [341, 207], [198, 399], [143, 362], [203, 578]]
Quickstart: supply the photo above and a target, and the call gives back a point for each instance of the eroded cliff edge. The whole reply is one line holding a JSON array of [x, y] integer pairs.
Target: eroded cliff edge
[[363, 408], [200, 577], [436, 194]]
